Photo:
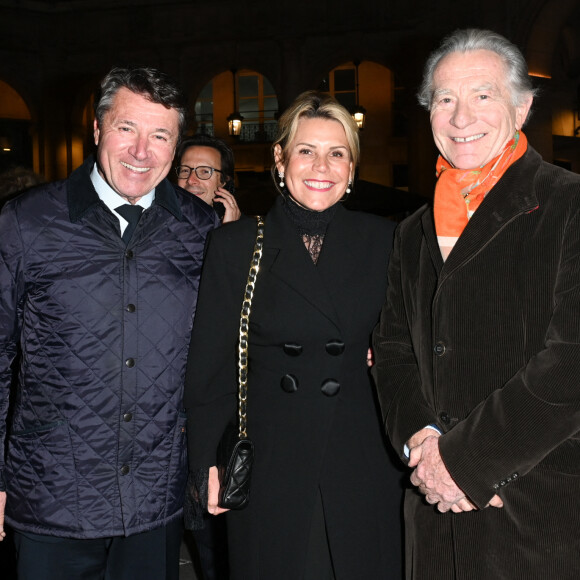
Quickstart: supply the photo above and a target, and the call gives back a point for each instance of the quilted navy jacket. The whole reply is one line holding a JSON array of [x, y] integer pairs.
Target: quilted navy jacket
[[97, 442]]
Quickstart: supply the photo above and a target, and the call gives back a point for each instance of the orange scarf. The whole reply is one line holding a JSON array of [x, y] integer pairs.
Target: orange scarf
[[459, 192]]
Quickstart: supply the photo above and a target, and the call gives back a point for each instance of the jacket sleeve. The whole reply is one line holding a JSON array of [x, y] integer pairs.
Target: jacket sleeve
[[11, 304], [396, 370], [538, 410], [211, 378]]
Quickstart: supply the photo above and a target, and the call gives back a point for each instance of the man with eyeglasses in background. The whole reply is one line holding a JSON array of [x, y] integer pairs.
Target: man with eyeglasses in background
[[206, 169]]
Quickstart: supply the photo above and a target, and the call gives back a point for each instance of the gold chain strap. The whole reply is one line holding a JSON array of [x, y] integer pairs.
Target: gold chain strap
[[244, 327]]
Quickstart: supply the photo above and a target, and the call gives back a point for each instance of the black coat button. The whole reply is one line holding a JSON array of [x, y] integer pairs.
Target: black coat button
[[330, 387], [130, 362], [334, 347], [127, 417], [125, 470], [292, 349], [130, 308], [289, 383], [439, 349], [129, 254], [445, 418]]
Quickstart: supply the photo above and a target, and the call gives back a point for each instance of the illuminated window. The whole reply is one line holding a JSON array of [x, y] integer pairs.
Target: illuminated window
[[257, 103], [15, 125]]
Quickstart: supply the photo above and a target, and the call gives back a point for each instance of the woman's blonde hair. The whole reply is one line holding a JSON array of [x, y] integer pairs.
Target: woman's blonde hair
[[315, 105]]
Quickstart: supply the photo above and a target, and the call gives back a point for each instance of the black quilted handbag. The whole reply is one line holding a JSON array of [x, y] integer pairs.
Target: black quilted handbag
[[235, 454]]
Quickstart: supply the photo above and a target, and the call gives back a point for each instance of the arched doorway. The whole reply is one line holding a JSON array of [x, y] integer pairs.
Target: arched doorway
[[256, 101], [15, 130]]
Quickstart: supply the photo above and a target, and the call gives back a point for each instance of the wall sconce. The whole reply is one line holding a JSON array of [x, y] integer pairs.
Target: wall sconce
[[235, 119], [5, 145], [359, 113]]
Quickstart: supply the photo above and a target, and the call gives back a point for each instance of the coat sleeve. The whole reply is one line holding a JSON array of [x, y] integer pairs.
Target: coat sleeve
[[396, 371], [211, 378], [11, 301], [538, 410]]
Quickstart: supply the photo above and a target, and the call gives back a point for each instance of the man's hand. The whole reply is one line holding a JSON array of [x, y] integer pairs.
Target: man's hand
[[2, 508], [420, 436], [433, 479], [230, 204], [213, 490], [431, 475]]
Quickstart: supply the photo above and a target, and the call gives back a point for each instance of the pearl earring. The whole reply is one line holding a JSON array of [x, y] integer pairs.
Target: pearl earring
[[281, 175], [348, 187]]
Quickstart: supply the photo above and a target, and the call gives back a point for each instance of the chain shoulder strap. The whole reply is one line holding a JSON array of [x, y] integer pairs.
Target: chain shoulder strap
[[244, 328]]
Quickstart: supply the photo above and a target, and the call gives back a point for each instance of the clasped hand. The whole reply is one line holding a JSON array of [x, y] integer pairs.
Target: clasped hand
[[433, 480]]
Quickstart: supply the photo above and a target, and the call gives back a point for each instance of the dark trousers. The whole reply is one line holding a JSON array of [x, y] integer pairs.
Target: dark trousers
[[150, 555], [212, 548]]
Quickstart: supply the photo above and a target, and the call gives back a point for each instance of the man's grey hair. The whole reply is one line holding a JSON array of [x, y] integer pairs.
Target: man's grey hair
[[518, 81], [150, 83]]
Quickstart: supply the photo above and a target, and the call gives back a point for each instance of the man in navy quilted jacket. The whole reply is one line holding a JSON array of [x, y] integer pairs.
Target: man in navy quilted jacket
[[98, 283]]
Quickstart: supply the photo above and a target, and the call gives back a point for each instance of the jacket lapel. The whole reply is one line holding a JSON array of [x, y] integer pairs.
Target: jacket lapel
[[431, 239], [510, 198], [286, 258], [341, 264]]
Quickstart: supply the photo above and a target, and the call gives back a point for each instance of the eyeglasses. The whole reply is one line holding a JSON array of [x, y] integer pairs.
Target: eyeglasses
[[202, 172]]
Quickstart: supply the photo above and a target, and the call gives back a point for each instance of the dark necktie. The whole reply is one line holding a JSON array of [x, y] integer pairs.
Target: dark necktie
[[132, 213]]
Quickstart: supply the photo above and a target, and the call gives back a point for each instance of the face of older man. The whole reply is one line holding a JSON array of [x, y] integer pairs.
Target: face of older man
[[472, 116], [135, 144]]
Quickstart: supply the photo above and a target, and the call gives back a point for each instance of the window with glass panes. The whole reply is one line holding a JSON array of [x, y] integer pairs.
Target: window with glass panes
[[257, 103], [204, 110], [258, 106], [341, 84]]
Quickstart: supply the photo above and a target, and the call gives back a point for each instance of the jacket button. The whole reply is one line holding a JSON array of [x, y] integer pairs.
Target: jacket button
[[130, 308], [130, 362], [334, 347], [129, 254], [127, 417], [125, 470], [439, 349], [445, 418], [292, 349], [289, 383], [330, 387]]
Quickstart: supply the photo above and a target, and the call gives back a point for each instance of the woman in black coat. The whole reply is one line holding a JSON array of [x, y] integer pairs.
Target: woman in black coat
[[325, 497]]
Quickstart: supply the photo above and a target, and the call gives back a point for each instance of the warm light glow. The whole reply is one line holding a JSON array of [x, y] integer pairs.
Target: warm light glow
[[235, 124], [359, 116], [359, 119], [564, 122], [539, 75], [5, 144]]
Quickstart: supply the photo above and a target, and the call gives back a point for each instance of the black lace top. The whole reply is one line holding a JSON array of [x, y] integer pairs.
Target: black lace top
[[310, 224]]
